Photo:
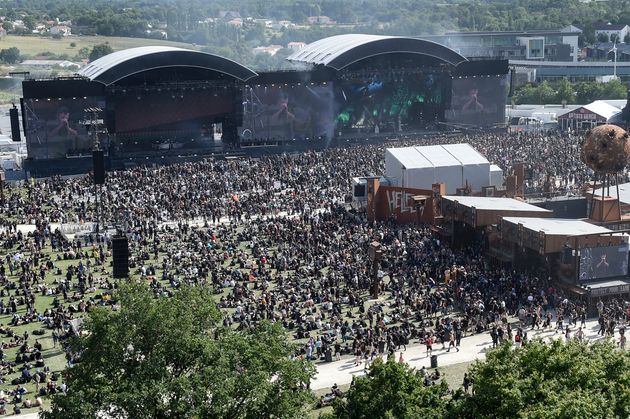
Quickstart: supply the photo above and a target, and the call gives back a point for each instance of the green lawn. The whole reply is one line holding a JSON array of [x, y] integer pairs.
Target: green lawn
[[36, 45]]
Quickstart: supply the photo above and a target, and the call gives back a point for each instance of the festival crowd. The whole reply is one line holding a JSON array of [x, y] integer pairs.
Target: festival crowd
[[278, 239]]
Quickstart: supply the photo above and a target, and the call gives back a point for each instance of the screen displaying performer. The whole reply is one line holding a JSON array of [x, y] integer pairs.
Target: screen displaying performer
[[382, 102], [53, 128], [478, 101], [288, 111], [603, 262]]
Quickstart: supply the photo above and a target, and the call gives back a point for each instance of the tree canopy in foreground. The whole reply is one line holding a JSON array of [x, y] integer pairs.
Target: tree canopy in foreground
[[392, 390], [551, 380], [540, 380], [171, 358]]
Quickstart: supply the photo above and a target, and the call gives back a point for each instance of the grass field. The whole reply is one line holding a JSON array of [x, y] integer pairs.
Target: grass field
[[31, 46]]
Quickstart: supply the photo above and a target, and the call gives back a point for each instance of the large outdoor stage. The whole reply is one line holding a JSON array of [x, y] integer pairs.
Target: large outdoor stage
[[159, 104]]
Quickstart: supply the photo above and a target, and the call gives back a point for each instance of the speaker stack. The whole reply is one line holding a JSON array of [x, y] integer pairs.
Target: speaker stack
[[98, 162], [120, 251], [15, 124]]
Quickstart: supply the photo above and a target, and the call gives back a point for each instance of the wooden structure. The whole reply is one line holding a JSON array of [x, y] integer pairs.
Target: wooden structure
[[484, 211], [552, 235]]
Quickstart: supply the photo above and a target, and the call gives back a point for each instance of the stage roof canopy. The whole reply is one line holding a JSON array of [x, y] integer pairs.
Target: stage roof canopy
[[120, 64], [340, 51]]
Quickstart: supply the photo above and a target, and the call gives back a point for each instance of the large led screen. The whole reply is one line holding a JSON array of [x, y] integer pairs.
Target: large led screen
[[478, 101], [170, 110], [392, 104], [54, 127], [603, 262], [288, 111]]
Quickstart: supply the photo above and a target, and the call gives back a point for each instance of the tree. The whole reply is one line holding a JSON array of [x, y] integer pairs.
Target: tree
[[160, 357], [83, 53], [392, 390], [614, 89], [10, 55], [603, 37], [587, 92], [550, 380], [626, 38], [100, 50], [565, 92]]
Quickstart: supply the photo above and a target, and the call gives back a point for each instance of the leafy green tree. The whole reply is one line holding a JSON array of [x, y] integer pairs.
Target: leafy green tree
[[10, 55], [100, 50], [160, 357], [565, 92], [587, 92], [550, 381], [603, 37], [614, 89], [392, 390], [626, 38], [29, 22], [83, 53], [546, 93]]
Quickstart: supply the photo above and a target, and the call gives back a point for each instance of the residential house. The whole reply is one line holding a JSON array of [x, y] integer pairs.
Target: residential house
[[271, 50], [296, 46], [62, 30], [320, 20], [617, 30]]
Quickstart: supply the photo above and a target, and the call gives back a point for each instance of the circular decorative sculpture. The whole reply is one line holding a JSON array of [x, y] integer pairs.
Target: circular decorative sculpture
[[606, 149]]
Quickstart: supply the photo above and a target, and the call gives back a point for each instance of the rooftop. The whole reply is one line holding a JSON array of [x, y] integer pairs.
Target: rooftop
[[495, 204], [558, 226]]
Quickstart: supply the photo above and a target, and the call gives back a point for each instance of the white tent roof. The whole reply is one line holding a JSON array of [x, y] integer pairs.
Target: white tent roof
[[438, 155], [465, 153], [602, 108], [624, 192], [410, 158], [494, 204], [558, 226]]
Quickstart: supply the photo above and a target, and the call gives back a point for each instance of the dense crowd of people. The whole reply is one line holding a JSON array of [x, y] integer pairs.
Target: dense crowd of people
[[277, 240]]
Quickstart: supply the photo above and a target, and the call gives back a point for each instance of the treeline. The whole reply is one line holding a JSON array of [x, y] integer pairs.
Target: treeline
[[401, 17], [563, 91], [187, 20]]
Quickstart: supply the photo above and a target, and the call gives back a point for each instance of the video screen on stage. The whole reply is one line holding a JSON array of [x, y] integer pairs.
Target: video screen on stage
[[478, 101], [392, 103], [54, 129], [288, 111], [173, 110], [603, 262]]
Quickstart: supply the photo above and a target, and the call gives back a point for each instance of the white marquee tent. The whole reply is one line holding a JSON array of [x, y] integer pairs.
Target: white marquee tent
[[456, 165]]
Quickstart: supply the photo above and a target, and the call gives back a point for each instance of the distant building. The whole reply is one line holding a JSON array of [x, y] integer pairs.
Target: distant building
[[320, 20], [235, 22], [604, 51], [61, 30], [226, 16], [618, 30], [296, 46], [51, 63], [559, 45], [573, 71], [271, 50], [591, 115]]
